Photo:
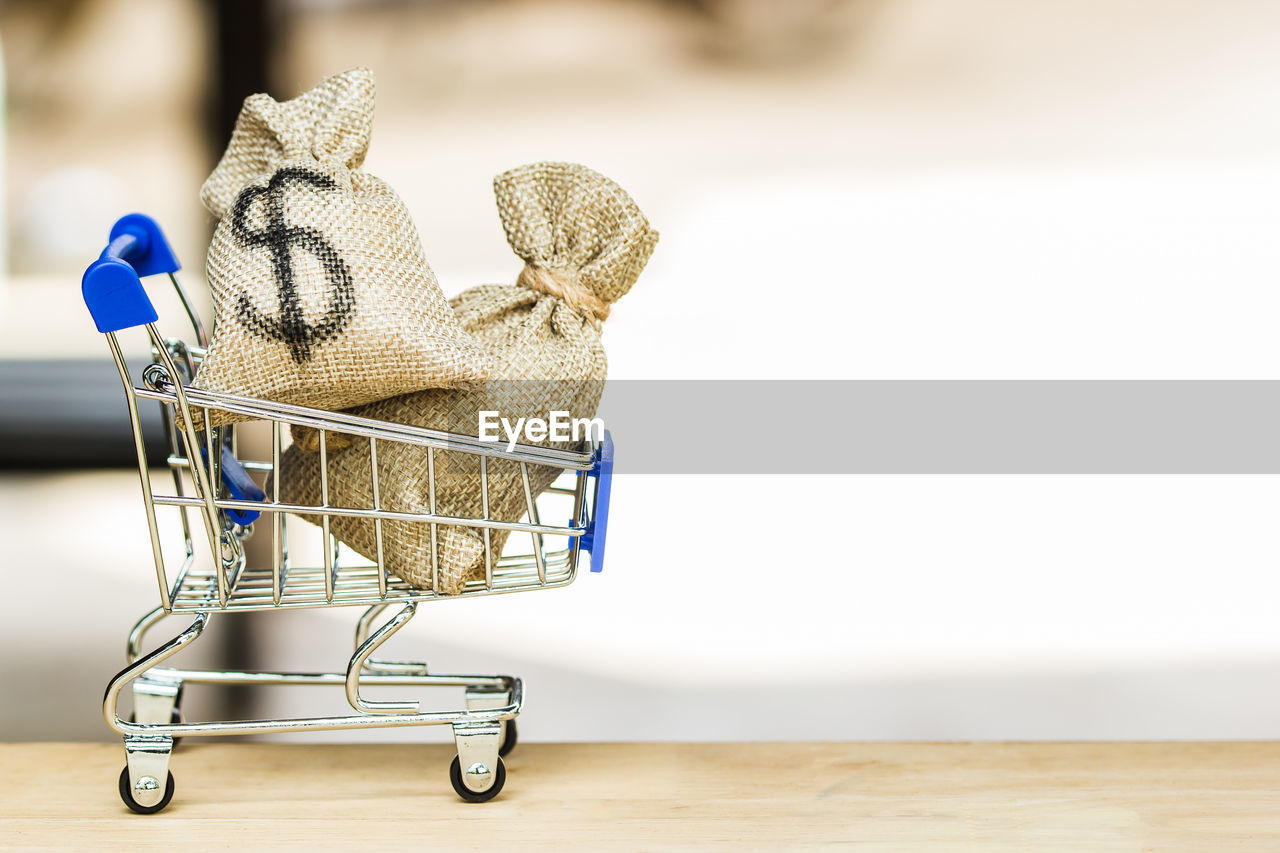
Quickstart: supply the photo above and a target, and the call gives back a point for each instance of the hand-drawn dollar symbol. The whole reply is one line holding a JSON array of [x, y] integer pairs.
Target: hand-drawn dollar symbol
[[280, 238]]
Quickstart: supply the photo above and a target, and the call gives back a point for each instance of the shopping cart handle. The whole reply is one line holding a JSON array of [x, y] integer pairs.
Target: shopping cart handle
[[112, 285], [598, 525]]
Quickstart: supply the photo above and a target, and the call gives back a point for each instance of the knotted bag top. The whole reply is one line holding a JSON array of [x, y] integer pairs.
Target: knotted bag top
[[322, 293], [330, 124], [581, 236]]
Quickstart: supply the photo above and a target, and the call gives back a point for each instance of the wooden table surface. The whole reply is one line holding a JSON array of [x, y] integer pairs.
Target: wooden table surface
[[984, 797]]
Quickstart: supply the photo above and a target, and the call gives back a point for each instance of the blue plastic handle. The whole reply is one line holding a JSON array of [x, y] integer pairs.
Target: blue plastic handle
[[112, 285], [598, 526]]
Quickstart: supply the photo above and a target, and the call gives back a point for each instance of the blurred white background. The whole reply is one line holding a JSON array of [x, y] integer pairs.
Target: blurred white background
[[866, 189]]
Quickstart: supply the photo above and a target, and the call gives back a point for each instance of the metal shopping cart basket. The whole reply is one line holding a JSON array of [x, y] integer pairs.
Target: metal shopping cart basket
[[202, 568]]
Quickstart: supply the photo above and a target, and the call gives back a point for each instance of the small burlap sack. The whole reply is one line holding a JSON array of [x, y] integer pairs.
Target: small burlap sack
[[322, 294], [584, 242]]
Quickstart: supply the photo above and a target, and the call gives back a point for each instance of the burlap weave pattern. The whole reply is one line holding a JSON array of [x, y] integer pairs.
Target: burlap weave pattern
[[322, 293], [548, 356]]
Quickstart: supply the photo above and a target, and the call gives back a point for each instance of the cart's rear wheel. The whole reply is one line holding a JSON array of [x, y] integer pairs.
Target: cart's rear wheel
[[126, 794], [455, 776], [508, 739]]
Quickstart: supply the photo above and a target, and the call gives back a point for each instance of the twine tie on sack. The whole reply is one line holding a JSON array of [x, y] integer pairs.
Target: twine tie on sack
[[576, 296]]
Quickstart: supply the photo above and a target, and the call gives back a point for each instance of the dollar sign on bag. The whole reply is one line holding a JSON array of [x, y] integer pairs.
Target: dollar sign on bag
[[281, 238]]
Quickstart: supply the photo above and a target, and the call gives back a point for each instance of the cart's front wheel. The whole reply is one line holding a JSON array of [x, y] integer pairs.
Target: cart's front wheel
[[477, 770], [126, 794], [508, 739]]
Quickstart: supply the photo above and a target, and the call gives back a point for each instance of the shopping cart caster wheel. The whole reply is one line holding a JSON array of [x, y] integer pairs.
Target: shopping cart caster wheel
[[455, 776], [508, 739], [175, 717], [126, 794]]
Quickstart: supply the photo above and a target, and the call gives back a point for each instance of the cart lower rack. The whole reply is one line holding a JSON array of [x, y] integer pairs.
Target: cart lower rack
[[203, 510]]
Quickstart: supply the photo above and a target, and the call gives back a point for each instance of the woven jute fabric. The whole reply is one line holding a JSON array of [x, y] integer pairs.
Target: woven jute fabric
[[584, 242], [321, 291]]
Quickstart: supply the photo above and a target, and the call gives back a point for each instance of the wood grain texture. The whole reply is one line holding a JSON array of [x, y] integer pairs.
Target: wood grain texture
[[982, 797]]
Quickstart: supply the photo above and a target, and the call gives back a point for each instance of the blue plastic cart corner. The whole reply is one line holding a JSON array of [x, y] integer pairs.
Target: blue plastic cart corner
[[598, 526]]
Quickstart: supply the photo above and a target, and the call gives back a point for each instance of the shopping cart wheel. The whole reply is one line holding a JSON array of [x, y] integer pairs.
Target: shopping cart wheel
[[455, 776], [508, 739], [126, 794]]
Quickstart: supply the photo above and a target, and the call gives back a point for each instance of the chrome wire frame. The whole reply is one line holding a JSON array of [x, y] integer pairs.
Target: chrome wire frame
[[232, 585], [361, 672]]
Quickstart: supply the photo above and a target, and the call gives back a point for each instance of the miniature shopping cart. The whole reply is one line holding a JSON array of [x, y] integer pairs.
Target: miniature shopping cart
[[202, 568]]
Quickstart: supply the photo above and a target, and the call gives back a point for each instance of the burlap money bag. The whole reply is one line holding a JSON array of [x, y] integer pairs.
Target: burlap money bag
[[584, 242], [322, 294]]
